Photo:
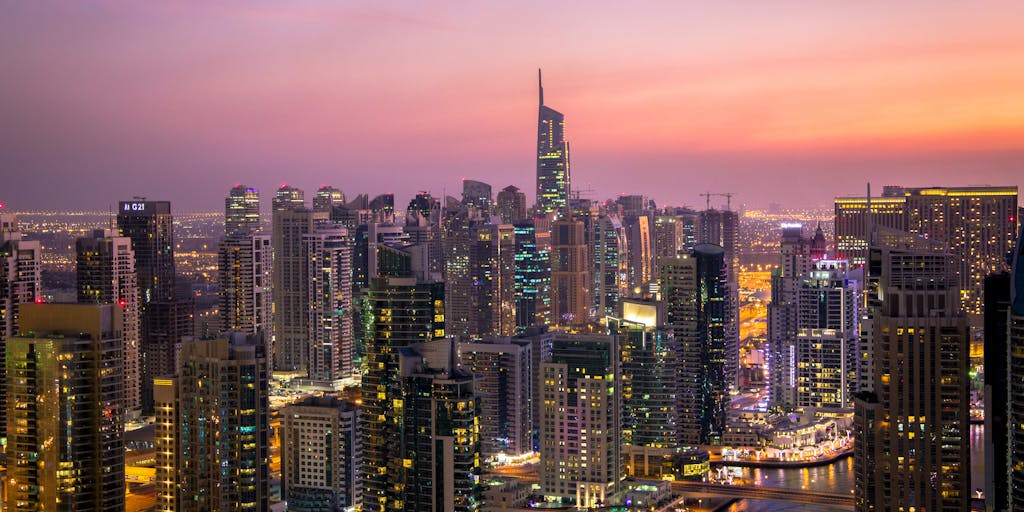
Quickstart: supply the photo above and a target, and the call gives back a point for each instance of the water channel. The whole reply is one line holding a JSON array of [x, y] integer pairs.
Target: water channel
[[836, 477]]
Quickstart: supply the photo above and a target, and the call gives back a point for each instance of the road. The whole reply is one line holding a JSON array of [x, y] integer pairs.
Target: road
[[765, 493]]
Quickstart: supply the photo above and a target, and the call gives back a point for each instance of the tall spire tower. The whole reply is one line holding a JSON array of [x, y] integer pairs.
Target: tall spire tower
[[552, 158]]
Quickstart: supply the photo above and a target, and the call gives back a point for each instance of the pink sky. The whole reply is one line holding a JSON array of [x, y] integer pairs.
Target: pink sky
[[790, 102]]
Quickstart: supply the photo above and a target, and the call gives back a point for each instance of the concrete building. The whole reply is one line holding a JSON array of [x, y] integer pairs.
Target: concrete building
[[402, 313], [919, 389], [695, 290], [212, 435], [245, 275], [321, 455], [580, 425], [511, 205], [65, 388], [552, 159], [570, 274], [164, 317], [105, 270], [241, 211], [20, 283], [504, 384], [1015, 377]]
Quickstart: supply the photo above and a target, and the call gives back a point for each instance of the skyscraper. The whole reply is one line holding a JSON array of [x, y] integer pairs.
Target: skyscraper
[[436, 435], [721, 228], [609, 251], [976, 224], [327, 197], [402, 313], [292, 222], [328, 269], [570, 274], [245, 274], [241, 211], [492, 279], [580, 420], [477, 194], [65, 434], [212, 435], [20, 282], [1015, 409], [827, 336], [164, 318], [552, 158], [504, 383], [105, 266], [783, 325], [511, 205], [151, 227], [997, 398], [321, 454], [911, 424], [532, 275], [649, 366], [695, 292]]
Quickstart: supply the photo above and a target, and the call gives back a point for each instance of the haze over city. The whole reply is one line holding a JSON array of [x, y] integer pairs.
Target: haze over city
[[788, 102]]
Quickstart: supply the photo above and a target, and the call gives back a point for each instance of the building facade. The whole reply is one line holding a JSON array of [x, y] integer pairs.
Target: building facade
[[212, 431], [321, 454], [65, 385]]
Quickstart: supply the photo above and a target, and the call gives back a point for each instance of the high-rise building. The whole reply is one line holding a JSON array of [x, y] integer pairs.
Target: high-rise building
[[20, 282], [609, 250], [911, 425], [976, 224], [694, 288], [402, 312], [477, 194], [511, 205], [552, 158], [721, 228], [151, 227], [851, 223], [327, 197], [827, 336], [329, 302], [997, 384], [65, 387], [649, 367], [437, 436], [321, 454], [504, 385], [667, 239], [288, 198], [105, 267], [492, 280], [164, 317], [212, 435], [1015, 377], [245, 274], [640, 254], [570, 274], [459, 228], [580, 420], [241, 211], [786, 281], [291, 225], [532, 275]]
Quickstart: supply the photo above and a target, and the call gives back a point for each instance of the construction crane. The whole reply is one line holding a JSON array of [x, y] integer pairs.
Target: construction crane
[[726, 195]]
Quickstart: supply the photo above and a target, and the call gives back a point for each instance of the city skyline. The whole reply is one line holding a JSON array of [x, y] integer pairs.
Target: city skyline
[[680, 99]]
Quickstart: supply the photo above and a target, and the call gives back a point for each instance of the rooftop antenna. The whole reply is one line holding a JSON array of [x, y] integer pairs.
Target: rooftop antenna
[[540, 87], [869, 221]]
